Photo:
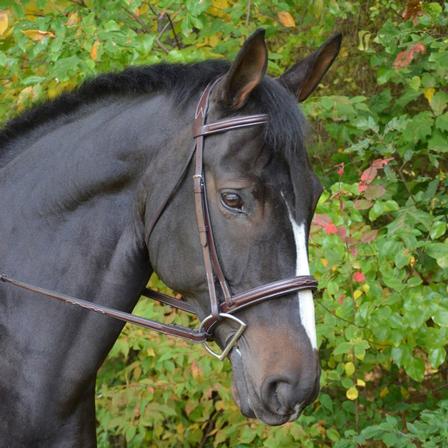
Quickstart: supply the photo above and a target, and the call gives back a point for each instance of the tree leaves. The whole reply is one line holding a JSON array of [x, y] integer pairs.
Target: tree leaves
[[3, 22], [286, 19], [37, 35]]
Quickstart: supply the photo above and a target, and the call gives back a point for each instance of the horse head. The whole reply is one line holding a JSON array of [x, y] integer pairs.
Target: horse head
[[261, 195]]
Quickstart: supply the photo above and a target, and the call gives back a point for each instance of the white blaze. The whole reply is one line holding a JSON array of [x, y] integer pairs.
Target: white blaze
[[306, 303]]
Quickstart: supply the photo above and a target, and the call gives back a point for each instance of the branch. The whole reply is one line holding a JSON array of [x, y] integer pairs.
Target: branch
[[174, 32], [145, 28]]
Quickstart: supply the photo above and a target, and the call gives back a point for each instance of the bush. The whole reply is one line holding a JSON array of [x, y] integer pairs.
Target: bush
[[379, 240]]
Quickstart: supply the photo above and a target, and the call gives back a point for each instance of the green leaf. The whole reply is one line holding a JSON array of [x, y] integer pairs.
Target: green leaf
[[419, 127], [442, 122], [342, 348], [438, 229], [415, 368], [438, 251], [326, 402], [401, 259], [439, 102], [382, 207], [440, 316], [437, 357], [399, 354], [438, 142], [360, 349], [414, 281], [333, 435]]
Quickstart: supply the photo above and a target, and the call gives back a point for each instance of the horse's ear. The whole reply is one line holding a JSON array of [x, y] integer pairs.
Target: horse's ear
[[246, 72], [303, 77]]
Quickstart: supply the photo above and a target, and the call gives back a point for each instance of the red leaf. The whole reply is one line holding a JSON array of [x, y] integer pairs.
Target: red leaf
[[381, 163], [374, 191], [342, 232], [413, 10], [340, 169], [325, 222], [330, 229], [369, 174], [341, 298], [368, 237], [362, 187], [362, 204], [405, 57], [359, 277], [321, 220]]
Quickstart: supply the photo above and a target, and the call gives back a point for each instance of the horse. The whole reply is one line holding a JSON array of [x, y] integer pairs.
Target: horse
[[93, 201]]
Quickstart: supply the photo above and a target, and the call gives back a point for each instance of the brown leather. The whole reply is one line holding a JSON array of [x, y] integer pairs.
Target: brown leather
[[268, 291], [232, 123], [213, 271], [168, 300], [172, 330]]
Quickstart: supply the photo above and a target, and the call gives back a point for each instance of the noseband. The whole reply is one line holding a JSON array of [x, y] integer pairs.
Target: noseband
[[230, 303]]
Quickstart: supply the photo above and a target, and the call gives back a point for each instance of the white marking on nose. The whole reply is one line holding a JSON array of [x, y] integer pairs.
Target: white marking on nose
[[297, 409], [306, 303]]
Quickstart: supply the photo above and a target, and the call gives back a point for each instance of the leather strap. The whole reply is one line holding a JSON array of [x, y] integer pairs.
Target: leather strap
[[210, 256], [173, 330], [231, 123]]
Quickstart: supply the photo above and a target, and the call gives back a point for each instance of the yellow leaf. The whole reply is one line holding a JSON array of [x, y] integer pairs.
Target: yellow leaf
[[349, 369], [144, 9], [218, 8], [73, 19], [412, 261], [220, 405], [360, 383], [286, 19], [404, 392], [213, 41], [137, 372], [94, 50], [3, 22], [196, 372], [180, 428], [324, 262], [429, 93], [365, 287], [37, 35], [352, 393], [384, 391], [357, 294], [221, 4]]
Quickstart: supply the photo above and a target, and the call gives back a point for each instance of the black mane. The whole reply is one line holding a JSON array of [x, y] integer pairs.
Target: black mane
[[184, 81]]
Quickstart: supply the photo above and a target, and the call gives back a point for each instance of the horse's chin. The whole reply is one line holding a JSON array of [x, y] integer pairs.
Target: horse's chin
[[248, 401]]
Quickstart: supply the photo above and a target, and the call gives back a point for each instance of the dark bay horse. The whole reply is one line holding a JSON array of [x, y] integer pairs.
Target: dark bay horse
[[81, 178]]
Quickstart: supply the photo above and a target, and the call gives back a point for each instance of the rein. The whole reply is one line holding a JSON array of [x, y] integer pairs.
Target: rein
[[219, 310]]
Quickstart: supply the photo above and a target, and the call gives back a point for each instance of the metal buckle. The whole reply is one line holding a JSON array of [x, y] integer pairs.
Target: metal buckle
[[232, 341]]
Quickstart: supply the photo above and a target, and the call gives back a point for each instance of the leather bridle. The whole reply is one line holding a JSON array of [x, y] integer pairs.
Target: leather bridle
[[230, 303]]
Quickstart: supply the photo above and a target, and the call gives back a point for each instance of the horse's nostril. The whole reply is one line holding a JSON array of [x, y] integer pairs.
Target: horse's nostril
[[281, 394]]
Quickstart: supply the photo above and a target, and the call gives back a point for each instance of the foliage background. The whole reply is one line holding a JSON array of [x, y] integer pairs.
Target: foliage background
[[379, 240]]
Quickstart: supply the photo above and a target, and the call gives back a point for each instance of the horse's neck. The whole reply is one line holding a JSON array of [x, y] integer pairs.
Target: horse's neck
[[73, 201]]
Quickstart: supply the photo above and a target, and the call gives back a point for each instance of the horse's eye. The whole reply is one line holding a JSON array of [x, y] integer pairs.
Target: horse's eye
[[232, 200]]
